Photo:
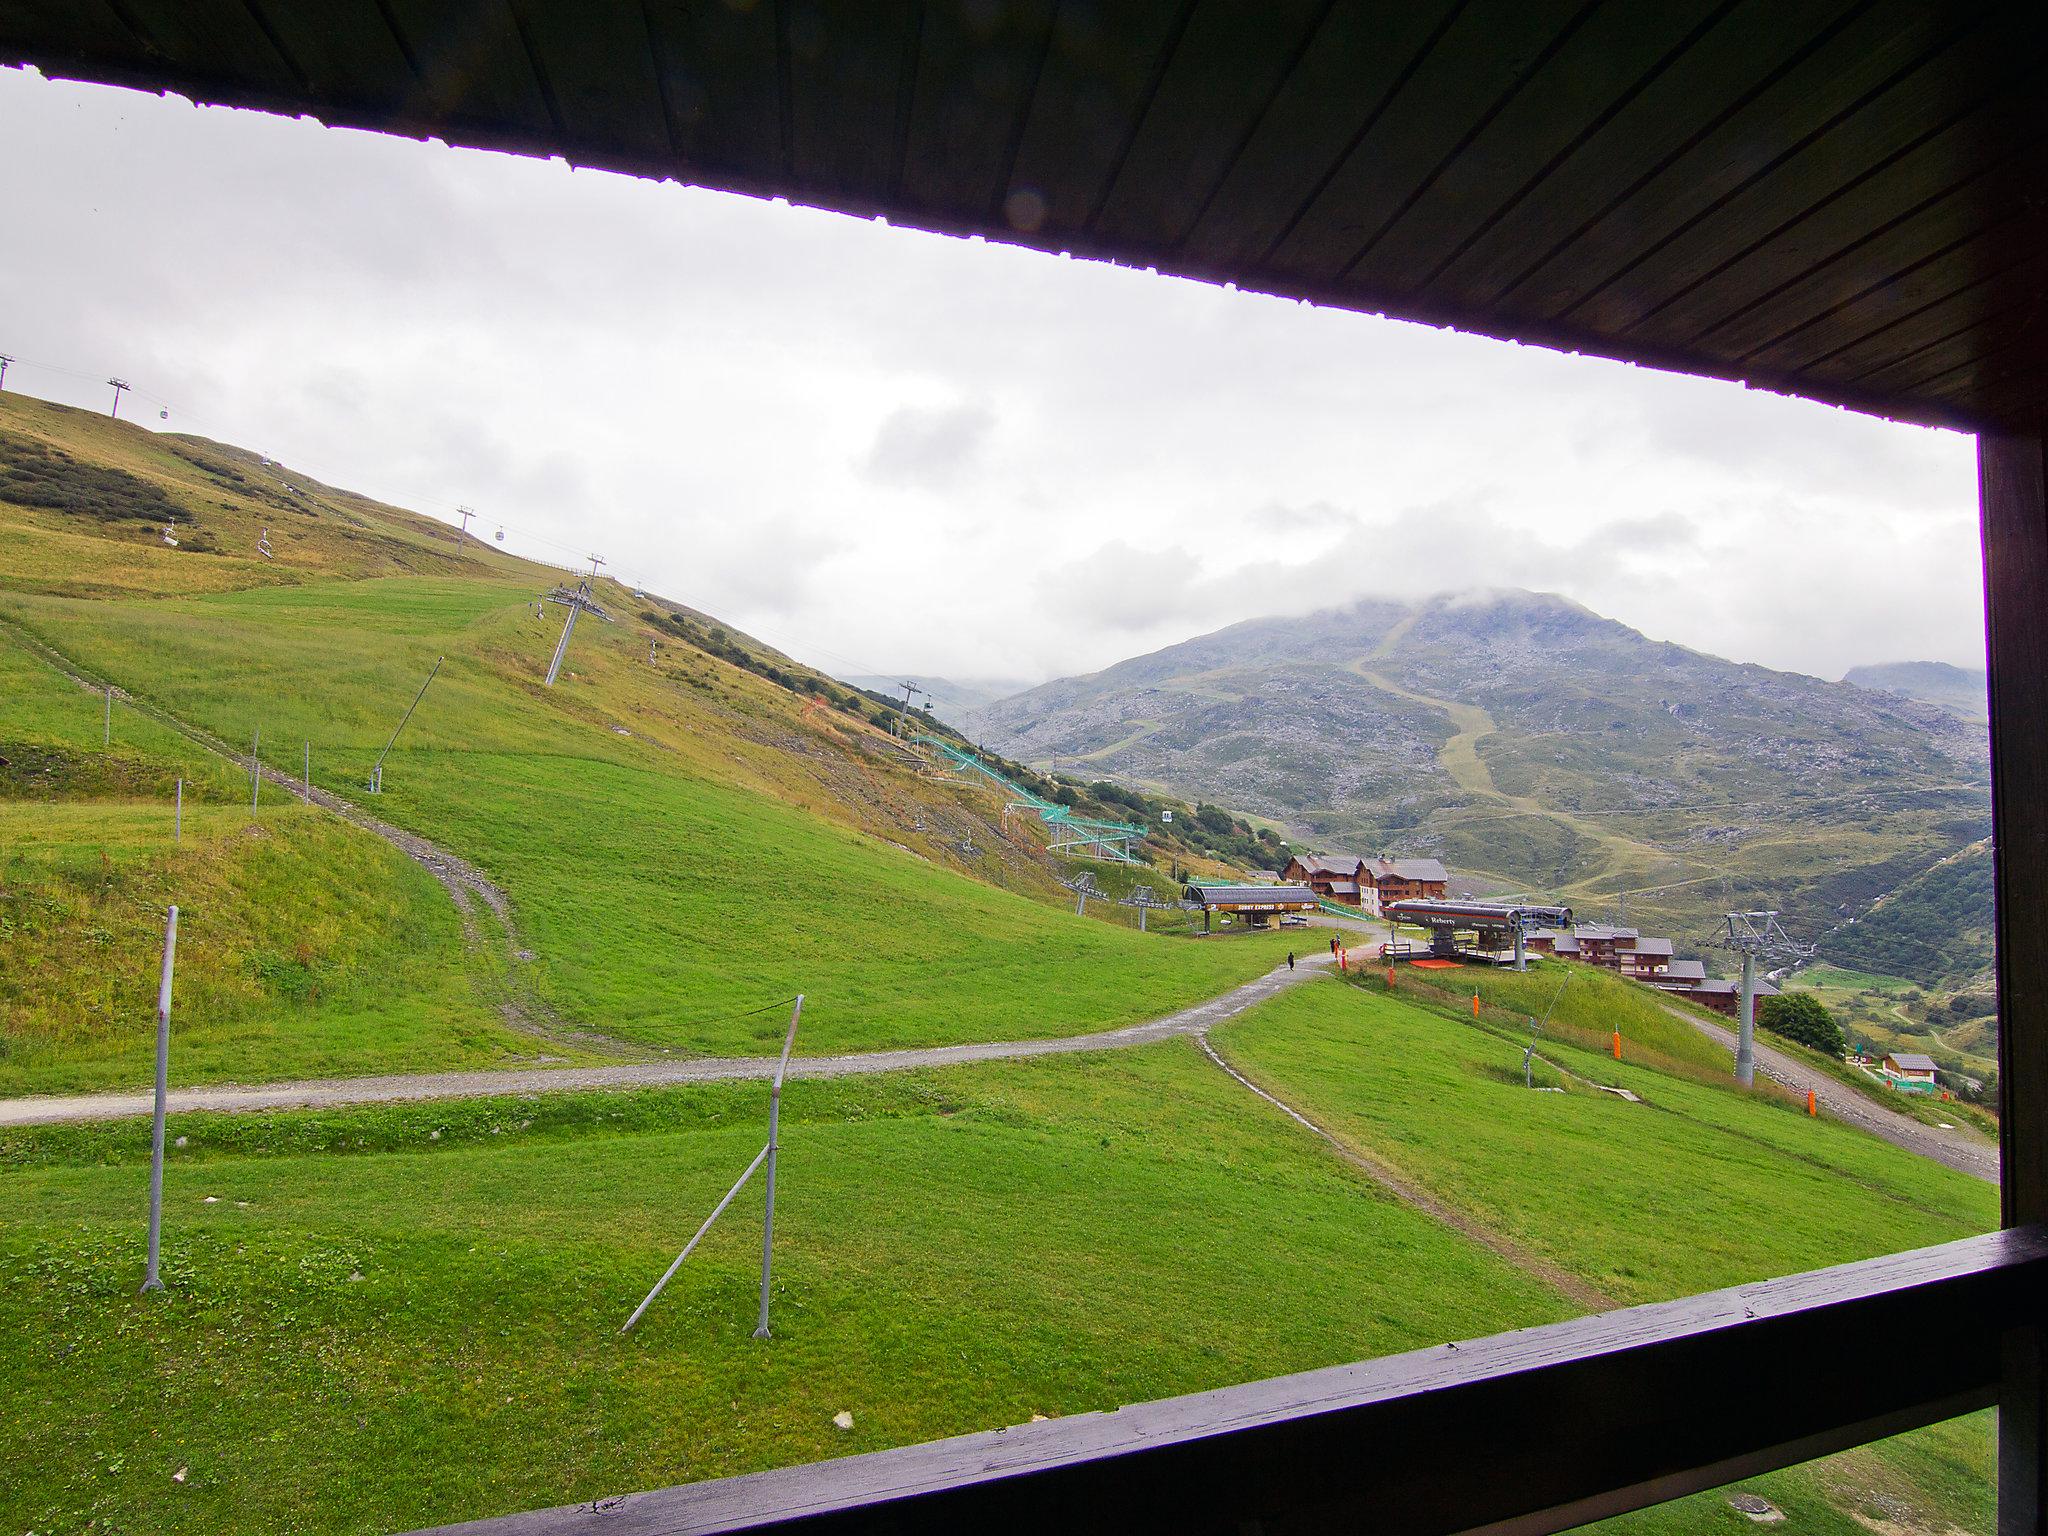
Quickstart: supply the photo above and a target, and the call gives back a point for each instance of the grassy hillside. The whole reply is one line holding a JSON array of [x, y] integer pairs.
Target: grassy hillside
[[681, 841], [373, 1327], [389, 1316]]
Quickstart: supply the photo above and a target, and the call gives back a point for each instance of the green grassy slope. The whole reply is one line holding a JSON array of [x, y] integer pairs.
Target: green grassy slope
[[304, 946], [1697, 1187], [680, 841], [955, 1251]]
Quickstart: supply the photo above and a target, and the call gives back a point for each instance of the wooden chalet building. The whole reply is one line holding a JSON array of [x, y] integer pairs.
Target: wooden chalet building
[[1368, 883], [1910, 1072], [1643, 959], [1721, 994], [1332, 876], [1841, 202], [1390, 879]]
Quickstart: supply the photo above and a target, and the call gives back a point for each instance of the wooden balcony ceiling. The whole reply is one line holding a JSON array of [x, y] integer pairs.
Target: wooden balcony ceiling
[[1843, 200]]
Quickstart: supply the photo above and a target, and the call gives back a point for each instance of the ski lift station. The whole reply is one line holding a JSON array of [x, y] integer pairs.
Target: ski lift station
[[1255, 906], [1486, 932]]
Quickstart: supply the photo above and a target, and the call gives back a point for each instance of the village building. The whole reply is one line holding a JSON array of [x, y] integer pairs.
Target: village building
[[1909, 1071], [1332, 876], [1646, 959], [1386, 879], [1722, 995], [1368, 884]]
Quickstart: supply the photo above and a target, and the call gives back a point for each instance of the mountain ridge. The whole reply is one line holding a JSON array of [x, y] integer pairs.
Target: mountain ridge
[[1523, 736]]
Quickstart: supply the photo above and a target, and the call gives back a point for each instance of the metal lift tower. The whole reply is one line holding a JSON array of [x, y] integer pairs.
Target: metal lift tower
[[577, 600], [1754, 936]]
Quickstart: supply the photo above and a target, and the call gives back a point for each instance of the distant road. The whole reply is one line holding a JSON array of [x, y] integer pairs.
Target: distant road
[[1961, 1150], [648, 1074]]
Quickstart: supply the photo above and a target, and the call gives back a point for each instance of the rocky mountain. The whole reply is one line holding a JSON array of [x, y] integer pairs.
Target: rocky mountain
[[1932, 682], [1520, 736]]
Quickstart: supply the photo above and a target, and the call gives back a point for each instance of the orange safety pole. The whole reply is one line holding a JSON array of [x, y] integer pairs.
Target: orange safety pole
[[1475, 1003], [1343, 959], [1617, 1045], [1390, 975], [1812, 1102]]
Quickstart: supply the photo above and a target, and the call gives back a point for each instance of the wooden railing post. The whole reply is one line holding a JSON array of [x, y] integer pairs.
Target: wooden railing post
[[2015, 527]]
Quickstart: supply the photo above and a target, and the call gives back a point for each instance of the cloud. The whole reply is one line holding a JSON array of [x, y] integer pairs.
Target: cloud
[[928, 449], [913, 452]]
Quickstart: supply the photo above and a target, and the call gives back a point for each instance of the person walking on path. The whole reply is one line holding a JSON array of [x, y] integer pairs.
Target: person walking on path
[[1290, 959]]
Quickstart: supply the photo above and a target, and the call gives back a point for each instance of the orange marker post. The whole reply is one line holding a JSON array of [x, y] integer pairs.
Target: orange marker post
[[1812, 1102], [1617, 1045], [1475, 1005], [1390, 976]]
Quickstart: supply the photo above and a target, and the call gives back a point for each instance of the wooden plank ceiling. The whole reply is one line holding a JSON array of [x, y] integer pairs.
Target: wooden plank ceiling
[[1840, 198]]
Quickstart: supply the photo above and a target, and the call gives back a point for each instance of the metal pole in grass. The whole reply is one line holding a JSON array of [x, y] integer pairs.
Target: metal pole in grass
[[377, 769], [107, 728], [774, 1126], [150, 1280], [765, 1155], [309, 773], [255, 768], [178, 815]]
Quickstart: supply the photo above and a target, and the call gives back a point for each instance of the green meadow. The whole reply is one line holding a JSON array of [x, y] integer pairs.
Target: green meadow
[[387, 1316]]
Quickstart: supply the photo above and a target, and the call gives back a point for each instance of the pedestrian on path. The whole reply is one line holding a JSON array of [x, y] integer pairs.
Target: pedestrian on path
[[1290, 959]]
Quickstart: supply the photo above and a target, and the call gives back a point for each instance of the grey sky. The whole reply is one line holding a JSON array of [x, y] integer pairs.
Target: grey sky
[[886, 450]]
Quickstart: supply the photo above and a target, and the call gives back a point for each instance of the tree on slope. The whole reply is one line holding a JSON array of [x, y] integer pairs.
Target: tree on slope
[[1802, 1017]]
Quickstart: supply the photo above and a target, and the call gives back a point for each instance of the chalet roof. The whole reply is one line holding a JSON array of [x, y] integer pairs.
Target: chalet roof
[[1406, 869], [1911, 1061], [1328, 863], [1602, 933], [1685, 970], [1651, 949], [1721, 986]]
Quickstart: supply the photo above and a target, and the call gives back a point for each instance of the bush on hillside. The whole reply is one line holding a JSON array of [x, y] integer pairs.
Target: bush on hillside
[[32, 475], [1804, 1019]]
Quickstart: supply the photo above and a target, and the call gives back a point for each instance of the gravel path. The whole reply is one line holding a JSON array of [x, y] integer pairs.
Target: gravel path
[[465, 1085], [1957, 1149]]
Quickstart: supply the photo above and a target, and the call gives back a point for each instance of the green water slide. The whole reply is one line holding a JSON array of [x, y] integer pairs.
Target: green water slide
[[1072, 833]]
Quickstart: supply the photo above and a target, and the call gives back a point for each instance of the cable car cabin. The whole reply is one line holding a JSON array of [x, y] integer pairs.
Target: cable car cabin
[[1255, 906]]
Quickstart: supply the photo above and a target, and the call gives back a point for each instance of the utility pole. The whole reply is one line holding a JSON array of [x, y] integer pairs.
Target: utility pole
[[903, 713], [465, 513], [595, 562], [1755, 935], [119, 385], [4, 361]]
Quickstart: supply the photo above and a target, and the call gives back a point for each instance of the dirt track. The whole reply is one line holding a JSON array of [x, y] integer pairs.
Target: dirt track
[[1957, 1149], [649, 1074]]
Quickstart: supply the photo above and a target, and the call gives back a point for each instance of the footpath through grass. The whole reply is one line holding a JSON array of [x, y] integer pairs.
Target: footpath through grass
[[391, 1316], [1698, 1187]]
